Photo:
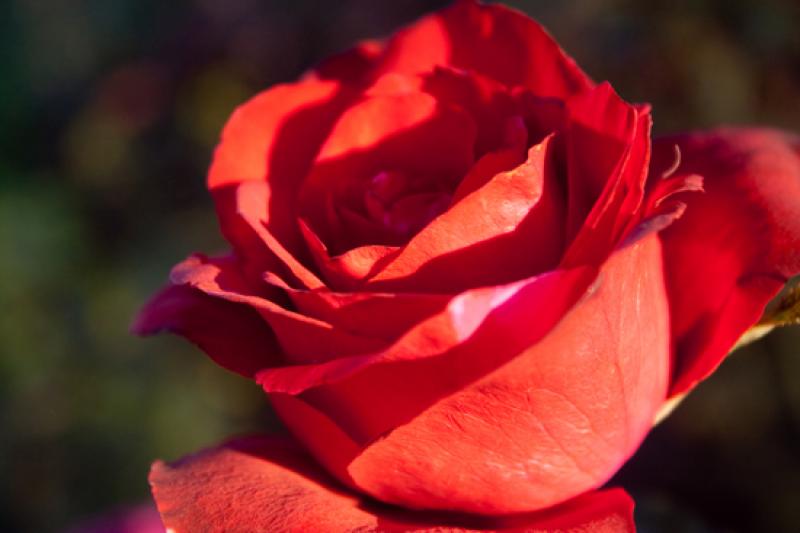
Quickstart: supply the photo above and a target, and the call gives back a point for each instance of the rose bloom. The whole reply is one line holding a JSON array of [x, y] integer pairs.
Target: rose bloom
[[468, 282]]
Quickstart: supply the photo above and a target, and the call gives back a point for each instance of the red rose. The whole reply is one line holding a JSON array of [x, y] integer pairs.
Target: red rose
[[467, 282]]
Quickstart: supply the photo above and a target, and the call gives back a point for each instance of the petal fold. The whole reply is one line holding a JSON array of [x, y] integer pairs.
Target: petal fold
[[266, 483], [303, 339], [508, 229], [233, 335], [273, 138]]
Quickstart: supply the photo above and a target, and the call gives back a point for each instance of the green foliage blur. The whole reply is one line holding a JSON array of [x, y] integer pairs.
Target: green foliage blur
[[109, 112]]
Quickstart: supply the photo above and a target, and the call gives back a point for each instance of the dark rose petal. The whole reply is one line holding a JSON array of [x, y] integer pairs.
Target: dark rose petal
[[608, 150], [233, 335], [492, 40], [348, 270], [488, 102], [268, 484], [735, 246], [406, 132], [302, 339], [558, 419], [353, 66]]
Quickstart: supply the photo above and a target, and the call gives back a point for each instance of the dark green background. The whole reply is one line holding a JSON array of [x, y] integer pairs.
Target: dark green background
[[109, 111]]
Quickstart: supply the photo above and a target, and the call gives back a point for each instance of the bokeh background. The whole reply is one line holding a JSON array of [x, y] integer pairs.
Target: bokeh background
[[109, 112]]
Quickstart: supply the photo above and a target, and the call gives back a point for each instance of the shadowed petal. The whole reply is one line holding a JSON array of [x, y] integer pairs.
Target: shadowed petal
[[736, 244], [233, 335], [303, 339], [492, 40], [273, 138], [508, 229]]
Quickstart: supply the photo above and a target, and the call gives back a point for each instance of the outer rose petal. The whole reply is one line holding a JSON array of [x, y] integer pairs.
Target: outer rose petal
[[735, 246], [474, 334], [268, 484], [252, 134], [558, 419], [492, 40], [352, 65], [233, 335], [302, 339]]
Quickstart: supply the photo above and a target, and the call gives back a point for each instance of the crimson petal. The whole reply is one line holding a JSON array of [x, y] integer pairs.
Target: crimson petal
[[266, 483], [303, 339], [492, 40], [273, 138], [608, 151], [233, 335], [736, 245], [558, 419]]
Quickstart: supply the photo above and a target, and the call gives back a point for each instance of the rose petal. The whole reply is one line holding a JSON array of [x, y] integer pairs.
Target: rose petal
[[368, 395], [328, 443], [736, 245], [267, 484], [233, 335], [559, 418], [243, 212], [494, 235], [486, 168], [488, 102], [254, 130], [608, 150], [464, 316], [303, 339], [346, 271], [274, 138], [371, 314], [353, 66], [492, 40], [407, 132]]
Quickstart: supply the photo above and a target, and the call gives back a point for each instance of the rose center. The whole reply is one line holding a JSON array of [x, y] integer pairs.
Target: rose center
[[403, 205]]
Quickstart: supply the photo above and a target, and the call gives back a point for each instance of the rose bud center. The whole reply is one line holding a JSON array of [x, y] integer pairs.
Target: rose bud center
[[403, 206]]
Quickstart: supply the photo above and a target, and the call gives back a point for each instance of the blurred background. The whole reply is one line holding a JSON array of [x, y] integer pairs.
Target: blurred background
[[109, 112]]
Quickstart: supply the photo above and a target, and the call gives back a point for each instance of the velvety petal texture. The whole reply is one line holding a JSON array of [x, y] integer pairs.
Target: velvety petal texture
[[735, 247], [467, 282], [537, 430], [269, 484]]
